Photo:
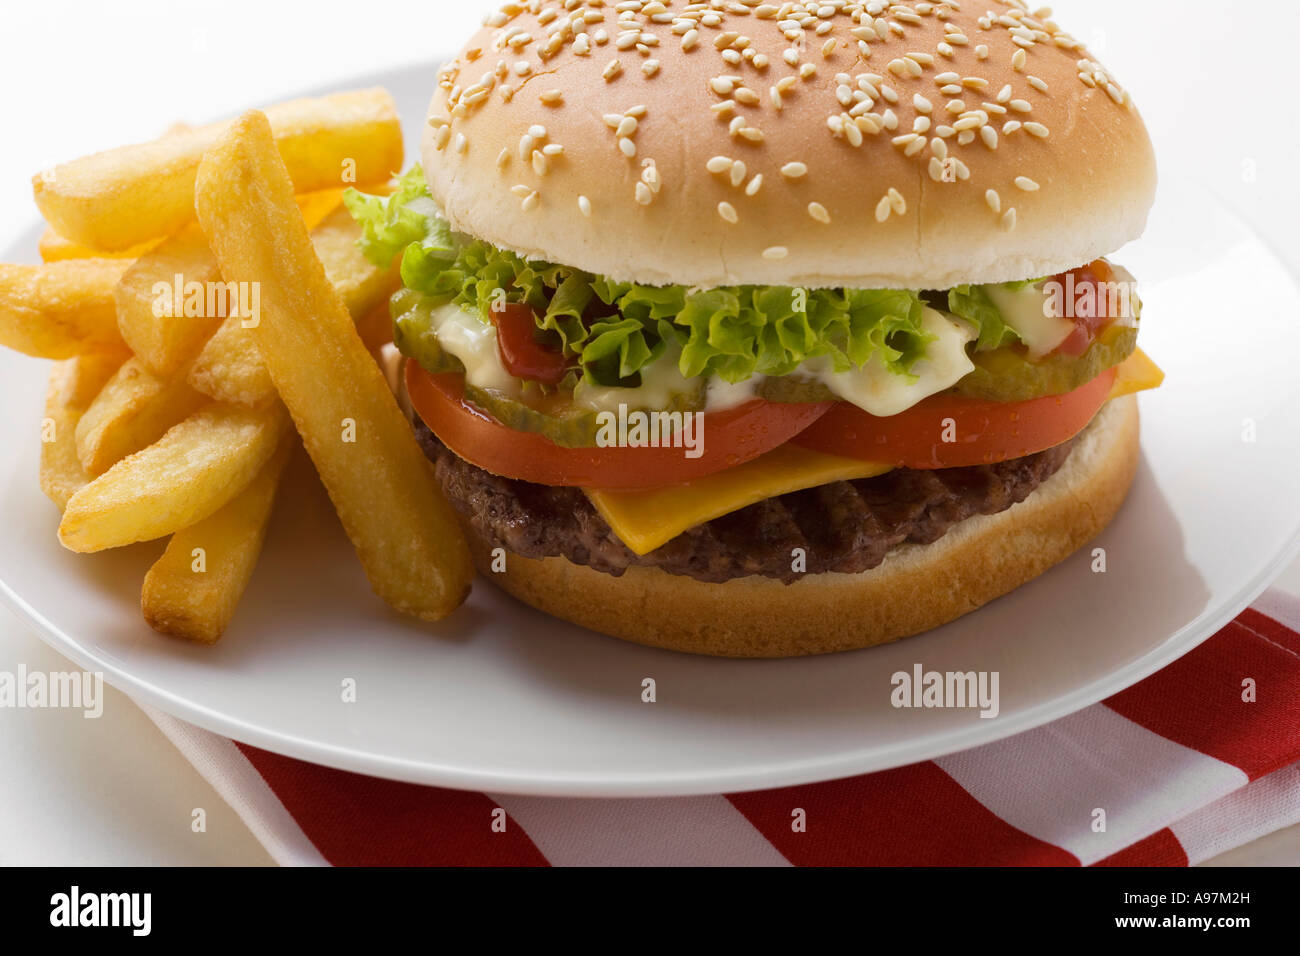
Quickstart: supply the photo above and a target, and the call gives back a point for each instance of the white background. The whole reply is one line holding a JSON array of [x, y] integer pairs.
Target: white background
[[81, 76]]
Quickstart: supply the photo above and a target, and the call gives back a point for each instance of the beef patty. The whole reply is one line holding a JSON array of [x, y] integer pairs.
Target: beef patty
[[846, 526]]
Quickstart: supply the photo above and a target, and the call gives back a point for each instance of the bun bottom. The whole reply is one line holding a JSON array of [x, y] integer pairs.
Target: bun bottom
[[916, 587]]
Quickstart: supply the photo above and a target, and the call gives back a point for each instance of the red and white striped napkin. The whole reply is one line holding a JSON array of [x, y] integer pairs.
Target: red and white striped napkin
[[1181, 768]]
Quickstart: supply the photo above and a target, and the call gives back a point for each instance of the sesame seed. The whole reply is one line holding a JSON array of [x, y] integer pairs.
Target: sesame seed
[[882, 209], [990, 136], [1036, 83], [993, 199], [738, 171], [644, 195], [752, 133], [552, 98], [650, 67], [612, 70], [1027, 184], [1010, 126], [690, 39], [441, 137], [775, 252], [1037, 129], [896, 201], [627, 126], [728, 212], [462, 143], [921, 103], [936, 168], [540, 166], [627, 147], [584, 204], [1020, 106], [755, 185], [794, 170], [520, 190], [939, 148], [1018, 60], [818, 212], [503, 158], [612, 119], [1009, 219], [537, 131], [531, 201], [718, 164]]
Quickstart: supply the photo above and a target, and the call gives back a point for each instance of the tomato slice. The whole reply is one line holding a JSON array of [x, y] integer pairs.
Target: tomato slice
[[731, 438], [522, 355], [980, 432]]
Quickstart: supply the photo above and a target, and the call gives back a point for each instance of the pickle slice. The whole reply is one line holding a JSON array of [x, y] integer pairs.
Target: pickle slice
[[414, 335], [792, 389], [1005, 375], [1000, 375], [556, 417]]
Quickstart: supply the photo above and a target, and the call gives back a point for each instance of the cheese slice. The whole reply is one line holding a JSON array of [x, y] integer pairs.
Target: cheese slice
[[648, 518], [645, 519], [1137, 373]]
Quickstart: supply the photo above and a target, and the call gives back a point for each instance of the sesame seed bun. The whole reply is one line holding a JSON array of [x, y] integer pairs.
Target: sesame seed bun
[[916, 588], [608, 138]]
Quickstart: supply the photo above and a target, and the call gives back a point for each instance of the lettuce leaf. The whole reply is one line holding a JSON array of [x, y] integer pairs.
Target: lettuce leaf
[[615, 329], [973, 304]]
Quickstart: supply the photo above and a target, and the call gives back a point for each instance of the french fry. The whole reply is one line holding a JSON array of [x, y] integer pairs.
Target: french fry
[[134, 409], [230, 366], [74, 383], [172, 300], [54, 248], [191, 472], [169, 303], [359, 282], [382, 486], [123, 197], [61, 309], [193, 589]]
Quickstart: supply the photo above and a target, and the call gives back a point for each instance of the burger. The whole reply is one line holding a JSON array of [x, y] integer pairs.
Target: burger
[[769, 329]]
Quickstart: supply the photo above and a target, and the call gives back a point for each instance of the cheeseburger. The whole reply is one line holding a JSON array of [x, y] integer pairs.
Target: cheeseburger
[[768, 329]]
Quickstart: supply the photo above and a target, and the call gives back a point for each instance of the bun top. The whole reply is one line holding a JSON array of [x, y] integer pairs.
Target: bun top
[[858, 144]]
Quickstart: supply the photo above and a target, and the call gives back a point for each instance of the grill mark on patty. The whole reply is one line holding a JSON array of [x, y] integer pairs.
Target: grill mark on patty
[[846, 526]]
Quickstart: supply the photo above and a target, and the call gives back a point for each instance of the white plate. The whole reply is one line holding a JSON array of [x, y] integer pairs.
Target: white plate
[[504, 699]]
